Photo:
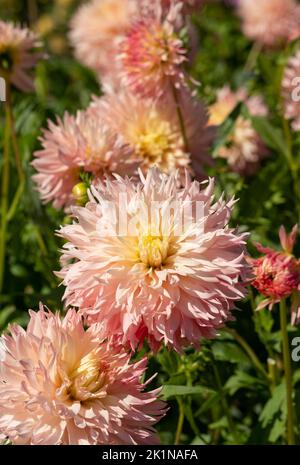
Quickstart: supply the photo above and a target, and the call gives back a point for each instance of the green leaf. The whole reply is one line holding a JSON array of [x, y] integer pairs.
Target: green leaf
[[229, 352], [171, 390], [277, 430], [241, 380], [274, 405], [271, 135], [6, 315], [225, 129], [208, 404]]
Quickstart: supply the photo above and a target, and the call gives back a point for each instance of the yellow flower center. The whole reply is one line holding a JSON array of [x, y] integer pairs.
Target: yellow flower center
[[156, 142], [153, 250], [86, 378]]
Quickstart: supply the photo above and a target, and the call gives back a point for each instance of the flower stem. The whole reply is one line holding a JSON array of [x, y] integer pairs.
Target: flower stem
[[16, 147], [249, 351], [252, 57], [5, 189], [180, 423], [287, 373], [180, 117], [224, 403]]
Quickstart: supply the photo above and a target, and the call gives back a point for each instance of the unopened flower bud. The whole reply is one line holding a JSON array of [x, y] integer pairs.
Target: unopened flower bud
[[79, 192]]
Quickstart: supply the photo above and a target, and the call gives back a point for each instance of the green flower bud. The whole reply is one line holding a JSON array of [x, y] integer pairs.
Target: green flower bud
[[79, 192]]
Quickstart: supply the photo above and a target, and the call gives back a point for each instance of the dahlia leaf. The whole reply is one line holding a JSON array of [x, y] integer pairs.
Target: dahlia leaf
[[169, 391]]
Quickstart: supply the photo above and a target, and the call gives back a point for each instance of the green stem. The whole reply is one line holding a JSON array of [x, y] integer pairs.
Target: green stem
[[180, 423], [249, 351], [252, 57], [14, 205], [224, 402], [180, 117], [287, 373], [16, 147], [5, 188]]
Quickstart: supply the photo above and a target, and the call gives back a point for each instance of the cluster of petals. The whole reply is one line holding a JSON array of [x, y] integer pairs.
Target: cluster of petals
[[277, 274], [243, 149], [19, 53], [270, 22], [97, 29], [170, 280], [290, 90], [60, 384], [152, 54], [117, 39], [75, 144], [151, 128]]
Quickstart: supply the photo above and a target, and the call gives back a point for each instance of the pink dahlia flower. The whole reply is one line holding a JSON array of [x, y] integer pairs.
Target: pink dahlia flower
[[269, 21], [244, 148], [277, 274], [96, 30], [151, 128], [75, 144], [61, 384], [152, 54], [290, 91], [154, 260], [18, 55]]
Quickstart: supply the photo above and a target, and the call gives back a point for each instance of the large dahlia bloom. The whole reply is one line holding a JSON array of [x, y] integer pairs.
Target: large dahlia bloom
[[152, 54], [154, 260], [277, 274], [244, 148], [18, 55], [60, 384], [75, 144], [290, 91], [96, 31], [152, 130], [269, 22]]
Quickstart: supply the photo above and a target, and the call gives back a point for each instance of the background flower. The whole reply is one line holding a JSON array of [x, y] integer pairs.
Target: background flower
[[152, 54], [18, 55], [81, 142], [243, 148], [96, 30], [269, 22], [290, 90], [277, 274], [151, 128]]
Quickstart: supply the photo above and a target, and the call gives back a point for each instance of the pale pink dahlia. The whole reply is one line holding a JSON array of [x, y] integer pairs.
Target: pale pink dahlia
[[244, 148], [277, 274], [269, 22], [151, 128], [18, 55], [76, 144], [154, 260], [60, 384], [291, 91], [96, 30], [152, 54]]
